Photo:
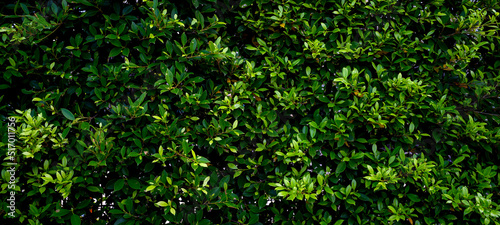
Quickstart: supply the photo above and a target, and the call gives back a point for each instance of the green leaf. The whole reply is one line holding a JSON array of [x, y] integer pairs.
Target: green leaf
[[345, 72], [262, 202], [150, 188], [340, 167], [75, 220], [85, 2], [468, 210], [205, 181], [169, 47], [127, 10], [392, 209], [402, 155], [134, 183], [126, 51], [184, 39], [312, 132], [237, 173], [450, 217], [195, 3], [12, 62], [361, 140], [320, 179], [458, 160], [114, 52], [116, 211], [94, 189], [328, 190], [98, 93], [254, 218], [261, 42], [66, 113], [60, 212], [339, 222], [364, 198], [193, 45], [138, 143], [162, 204], [413, 197], [358, 155], [119, 184], [246, 3], [139, 101], [64, 161], [350, 201]]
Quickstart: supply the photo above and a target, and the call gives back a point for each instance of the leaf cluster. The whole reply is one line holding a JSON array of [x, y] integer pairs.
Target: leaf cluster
[[251, 111]]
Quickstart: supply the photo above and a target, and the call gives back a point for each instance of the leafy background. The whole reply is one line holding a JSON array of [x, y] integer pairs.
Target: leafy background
[[252, 112]]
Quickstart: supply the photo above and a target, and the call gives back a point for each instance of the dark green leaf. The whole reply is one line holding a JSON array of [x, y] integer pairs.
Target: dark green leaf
[[75, 220], [413, 197], [184, 39], [340, 167], [134, 183], [119, 184], [114, 52]]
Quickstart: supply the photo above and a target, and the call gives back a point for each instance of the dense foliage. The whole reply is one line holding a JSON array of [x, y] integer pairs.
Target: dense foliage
[[250, 112]]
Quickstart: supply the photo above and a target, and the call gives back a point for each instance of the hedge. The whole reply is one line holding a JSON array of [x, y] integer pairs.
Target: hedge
[[250, 112]]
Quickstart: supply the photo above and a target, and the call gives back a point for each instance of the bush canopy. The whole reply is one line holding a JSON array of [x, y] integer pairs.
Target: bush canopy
[[250, 112]]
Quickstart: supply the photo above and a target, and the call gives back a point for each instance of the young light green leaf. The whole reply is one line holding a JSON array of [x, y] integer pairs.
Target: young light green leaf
[[320, 179], [205, 181], [232, 166], [162, 204]]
